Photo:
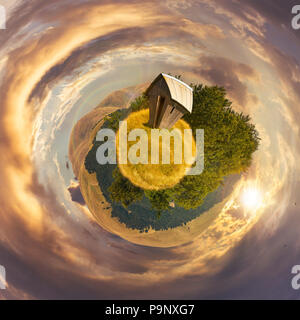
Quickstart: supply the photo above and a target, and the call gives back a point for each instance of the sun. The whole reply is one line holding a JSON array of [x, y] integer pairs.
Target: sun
[[251, 198]]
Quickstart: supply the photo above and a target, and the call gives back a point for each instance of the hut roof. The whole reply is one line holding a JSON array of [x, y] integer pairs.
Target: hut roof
[[180, 92]]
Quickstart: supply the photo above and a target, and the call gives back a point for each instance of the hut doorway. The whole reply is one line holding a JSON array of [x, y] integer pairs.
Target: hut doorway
[[160, 103]]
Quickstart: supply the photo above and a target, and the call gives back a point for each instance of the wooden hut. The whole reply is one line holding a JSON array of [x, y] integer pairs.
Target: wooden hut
[[170, 99]]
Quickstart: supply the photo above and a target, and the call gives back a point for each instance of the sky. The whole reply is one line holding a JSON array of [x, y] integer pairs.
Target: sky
[[59, 60]]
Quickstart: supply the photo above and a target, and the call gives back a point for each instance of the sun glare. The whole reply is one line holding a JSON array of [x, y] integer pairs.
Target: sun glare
[[251, 198]]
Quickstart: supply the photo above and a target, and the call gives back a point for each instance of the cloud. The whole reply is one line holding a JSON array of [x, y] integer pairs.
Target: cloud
[[76, 195], [51, 251], [231, 75]]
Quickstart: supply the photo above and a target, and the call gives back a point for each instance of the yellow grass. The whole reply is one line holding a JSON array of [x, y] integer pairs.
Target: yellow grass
[[153, 176]]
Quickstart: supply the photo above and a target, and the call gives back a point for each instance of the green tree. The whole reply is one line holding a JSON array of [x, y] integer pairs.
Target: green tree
[[141, 102], [112, 120], [159, 199], [122, 190]]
